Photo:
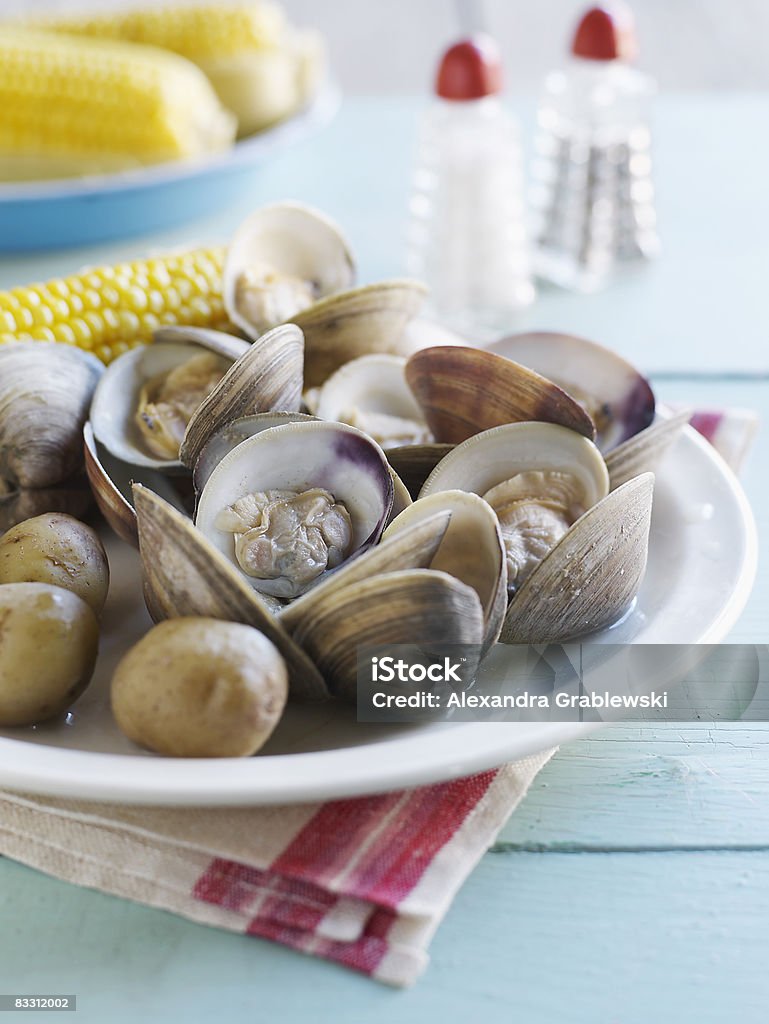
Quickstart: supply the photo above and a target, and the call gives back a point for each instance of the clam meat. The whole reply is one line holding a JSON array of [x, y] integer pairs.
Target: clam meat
[[282, 260], [294, 502], [534, 509], [286, 534], [167, 401]]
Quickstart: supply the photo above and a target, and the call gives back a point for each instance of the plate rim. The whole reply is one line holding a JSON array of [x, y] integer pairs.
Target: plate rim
[[402, 773]]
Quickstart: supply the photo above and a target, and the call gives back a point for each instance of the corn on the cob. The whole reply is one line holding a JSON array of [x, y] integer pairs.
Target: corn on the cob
[[108, 310], [194, 31], [261, 68], [96, 105]]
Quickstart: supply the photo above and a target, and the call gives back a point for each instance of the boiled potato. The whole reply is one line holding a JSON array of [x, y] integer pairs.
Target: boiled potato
[[198, 687], [49, 638], [56, 548]]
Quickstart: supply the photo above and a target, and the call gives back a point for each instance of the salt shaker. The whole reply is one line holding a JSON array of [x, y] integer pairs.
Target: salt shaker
[[467, 238], [592, 197]]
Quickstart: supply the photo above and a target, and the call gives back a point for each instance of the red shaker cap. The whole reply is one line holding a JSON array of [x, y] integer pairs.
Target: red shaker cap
[[606, 33], [470, 70]]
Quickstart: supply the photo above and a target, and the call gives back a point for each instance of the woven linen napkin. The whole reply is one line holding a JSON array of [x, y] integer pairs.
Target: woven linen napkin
[[364, 882]]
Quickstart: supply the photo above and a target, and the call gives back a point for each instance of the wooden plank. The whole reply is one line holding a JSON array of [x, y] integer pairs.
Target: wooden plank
[[628, 938], [649, 788]]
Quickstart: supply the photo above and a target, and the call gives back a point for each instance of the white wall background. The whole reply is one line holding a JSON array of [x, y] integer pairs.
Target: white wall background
[[380, 46]]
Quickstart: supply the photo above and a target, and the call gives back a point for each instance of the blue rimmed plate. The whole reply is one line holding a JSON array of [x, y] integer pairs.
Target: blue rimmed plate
[[82, 211]]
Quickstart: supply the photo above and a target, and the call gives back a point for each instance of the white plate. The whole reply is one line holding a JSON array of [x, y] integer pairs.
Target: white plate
[[701, 566]]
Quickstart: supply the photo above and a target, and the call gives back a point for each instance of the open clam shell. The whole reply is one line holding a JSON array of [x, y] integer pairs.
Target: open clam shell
[[354, 323], [419, 606], [297, 255], [471, 549], [268, 376], [117, 398], [463, 391], [300, 457], [493, 456], [371, 393], [591, 577], [644, 452], [619, 399], [184, 575]]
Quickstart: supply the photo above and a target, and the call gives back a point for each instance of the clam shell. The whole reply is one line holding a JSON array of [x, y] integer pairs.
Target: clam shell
[[45, 392], [417, 606], [489, 458], [116, 398], [292, 239], [463, 391], [644, 452], [299, 456], [591, 576], [415, 462], [355, 323], [185, 576], [471, 549], [111, 480], [268, 376], [374, 383], [583, 367], [412, 548]]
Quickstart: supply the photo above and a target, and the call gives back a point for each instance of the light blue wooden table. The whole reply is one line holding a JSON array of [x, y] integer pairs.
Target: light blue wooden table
[[632, 885]]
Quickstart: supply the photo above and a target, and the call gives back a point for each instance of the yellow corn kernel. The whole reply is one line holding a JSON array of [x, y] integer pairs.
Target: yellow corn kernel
[[261, 68], [199, 31], [111, 309], [73, 105]]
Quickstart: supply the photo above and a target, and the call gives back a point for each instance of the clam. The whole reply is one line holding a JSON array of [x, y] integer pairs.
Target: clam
[[295, 501], [184, 575], [463, 391], [45, 392], [368, 319], [575, 553], [538, 477], [281, 260], [371, 393], [471, 549], [146, 397], [289, 263], [418, 606], [617, 397], [590, 578]]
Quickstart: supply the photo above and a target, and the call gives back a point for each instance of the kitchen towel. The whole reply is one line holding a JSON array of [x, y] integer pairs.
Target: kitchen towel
[[363, 881]]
